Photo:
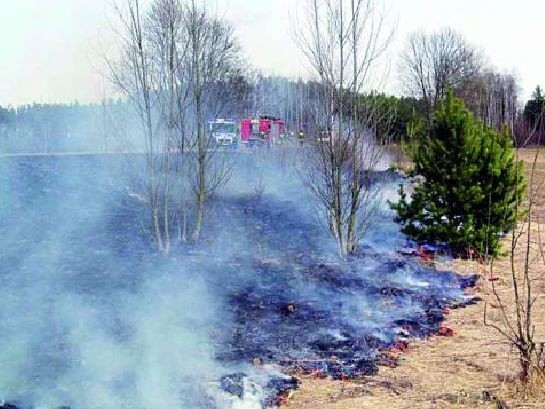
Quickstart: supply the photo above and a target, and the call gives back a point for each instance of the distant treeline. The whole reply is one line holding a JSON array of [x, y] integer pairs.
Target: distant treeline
[[45, 128], [105, 127]]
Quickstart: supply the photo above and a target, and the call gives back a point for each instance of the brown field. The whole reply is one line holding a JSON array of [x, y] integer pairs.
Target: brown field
[[475, 368]]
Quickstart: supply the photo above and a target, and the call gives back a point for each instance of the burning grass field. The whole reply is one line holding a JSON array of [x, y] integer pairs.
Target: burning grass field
[[93, 319], [475, 367]]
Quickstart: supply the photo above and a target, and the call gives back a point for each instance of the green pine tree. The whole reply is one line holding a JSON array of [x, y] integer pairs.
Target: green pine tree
[[534, 108], [470, 183]]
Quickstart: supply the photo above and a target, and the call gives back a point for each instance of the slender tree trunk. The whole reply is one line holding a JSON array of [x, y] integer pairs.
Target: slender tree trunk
[[157, 228], [525, 365], [339, 157], [184, 225], [166, 210], [201, 188], [201, 141], [354, 188], [150, 155], [200, 207], [170, 129]]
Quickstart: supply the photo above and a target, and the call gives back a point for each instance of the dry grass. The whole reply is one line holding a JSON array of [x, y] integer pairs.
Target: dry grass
[[474, 368]]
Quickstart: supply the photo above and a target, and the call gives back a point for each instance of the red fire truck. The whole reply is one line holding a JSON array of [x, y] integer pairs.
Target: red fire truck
[[265, 130]]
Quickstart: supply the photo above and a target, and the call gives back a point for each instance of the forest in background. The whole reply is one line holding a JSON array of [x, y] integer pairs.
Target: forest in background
[[101, 127]]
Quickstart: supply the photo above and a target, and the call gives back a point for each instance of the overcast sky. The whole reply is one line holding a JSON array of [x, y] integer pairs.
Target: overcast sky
[[49, 49]]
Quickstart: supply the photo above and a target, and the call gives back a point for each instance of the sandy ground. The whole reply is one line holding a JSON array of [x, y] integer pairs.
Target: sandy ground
[[475, 368]]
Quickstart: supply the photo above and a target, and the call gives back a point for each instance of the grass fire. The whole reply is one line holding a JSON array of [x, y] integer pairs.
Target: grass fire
[[255, 205]]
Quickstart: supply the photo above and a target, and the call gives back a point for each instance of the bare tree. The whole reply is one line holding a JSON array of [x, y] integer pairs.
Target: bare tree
[[213, 72], [338, 164], [492, 97], [133, 74], [518, 304], [166, 32], [430, 63], [180, 66]]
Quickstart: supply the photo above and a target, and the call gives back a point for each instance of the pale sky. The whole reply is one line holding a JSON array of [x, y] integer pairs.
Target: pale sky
[[49, 49]]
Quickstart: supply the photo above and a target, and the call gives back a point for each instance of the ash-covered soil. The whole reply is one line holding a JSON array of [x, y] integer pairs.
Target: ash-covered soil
[[92, 317]]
